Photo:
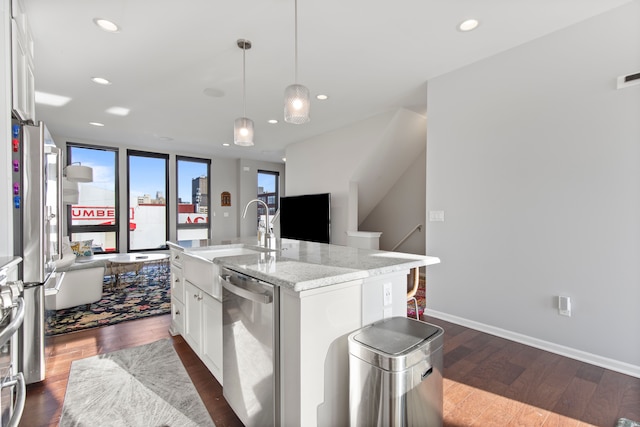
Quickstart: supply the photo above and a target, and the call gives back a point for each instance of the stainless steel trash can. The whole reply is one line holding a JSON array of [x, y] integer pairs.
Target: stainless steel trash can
[[395, 374]]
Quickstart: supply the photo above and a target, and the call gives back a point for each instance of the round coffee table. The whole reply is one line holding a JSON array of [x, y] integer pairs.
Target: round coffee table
[[131, 262]]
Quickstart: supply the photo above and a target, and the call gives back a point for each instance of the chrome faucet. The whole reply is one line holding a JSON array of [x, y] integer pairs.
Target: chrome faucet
[[268, 236]]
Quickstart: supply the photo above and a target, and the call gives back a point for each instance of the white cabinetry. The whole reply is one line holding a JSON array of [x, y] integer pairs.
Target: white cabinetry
[[177, 294], [23, 89], [193, 316], [212, 335], [203, 327], [314, 353]]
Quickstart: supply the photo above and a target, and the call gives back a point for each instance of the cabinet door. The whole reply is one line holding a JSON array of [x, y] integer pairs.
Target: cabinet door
[[19, 70], [23, 80], [193, 316], [212, 335]]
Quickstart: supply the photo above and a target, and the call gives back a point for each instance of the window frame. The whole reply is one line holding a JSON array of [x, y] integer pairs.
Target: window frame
[[114, 228], [165, 157], [266, 199], [194, 226]]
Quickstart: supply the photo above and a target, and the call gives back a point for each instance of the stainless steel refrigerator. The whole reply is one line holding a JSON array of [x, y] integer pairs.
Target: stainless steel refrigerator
[[37, 191]]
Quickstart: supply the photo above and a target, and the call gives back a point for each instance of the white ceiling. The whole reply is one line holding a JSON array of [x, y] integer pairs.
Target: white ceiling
[[367, 56]]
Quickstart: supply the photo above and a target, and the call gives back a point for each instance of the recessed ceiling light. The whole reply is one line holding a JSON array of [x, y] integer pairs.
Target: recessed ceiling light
[[165, 138], [96, 124], [322, 97], [468, 25], [284, 159], [100, 80], [118, 111], [272, 121], [51, 99], [226, 144], [106, 25]]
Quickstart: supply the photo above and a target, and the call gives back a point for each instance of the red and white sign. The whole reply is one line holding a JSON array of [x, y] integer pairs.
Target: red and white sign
[[93, 213], [192, 218]]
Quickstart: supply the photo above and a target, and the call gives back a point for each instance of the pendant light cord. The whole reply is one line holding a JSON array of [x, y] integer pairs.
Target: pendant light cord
[[296, 40], [244, 81]]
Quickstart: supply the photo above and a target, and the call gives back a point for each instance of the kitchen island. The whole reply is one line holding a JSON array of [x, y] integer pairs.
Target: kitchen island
[[325, 293]]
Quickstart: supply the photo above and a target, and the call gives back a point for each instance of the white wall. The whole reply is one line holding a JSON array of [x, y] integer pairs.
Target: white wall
[[402, 208], [535, 158], [224, 174]]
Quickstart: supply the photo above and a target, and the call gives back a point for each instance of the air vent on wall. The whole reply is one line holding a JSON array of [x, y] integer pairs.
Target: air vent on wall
[[629, 80]]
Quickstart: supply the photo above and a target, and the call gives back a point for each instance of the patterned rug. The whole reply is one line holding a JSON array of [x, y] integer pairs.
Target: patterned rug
[[144, 295], [420, 296], [139, 387], [625, 422]]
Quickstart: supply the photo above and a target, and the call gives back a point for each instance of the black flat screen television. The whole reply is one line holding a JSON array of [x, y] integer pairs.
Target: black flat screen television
[[306, 217]]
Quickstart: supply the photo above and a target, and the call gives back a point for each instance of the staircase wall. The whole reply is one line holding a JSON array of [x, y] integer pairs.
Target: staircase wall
[[372, 154]]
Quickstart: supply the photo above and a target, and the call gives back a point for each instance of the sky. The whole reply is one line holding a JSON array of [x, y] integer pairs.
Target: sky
[[147, 174]]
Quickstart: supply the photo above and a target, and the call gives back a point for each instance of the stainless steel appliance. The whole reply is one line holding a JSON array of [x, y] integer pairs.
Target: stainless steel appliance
[[37, 189], [395, 374], [251, 342], [12, 384]]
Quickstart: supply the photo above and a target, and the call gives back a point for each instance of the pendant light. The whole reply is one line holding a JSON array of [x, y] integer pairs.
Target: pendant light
[[243, 126], [296, 97]]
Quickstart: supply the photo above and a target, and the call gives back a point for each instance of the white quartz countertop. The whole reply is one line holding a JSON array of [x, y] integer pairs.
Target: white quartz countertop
[[302, 266]]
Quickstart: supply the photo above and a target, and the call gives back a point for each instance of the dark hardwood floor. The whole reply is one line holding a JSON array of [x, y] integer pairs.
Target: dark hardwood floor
[[489, 381]]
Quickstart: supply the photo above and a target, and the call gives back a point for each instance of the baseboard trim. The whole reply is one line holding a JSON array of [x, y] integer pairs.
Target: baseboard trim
[[593, 359]]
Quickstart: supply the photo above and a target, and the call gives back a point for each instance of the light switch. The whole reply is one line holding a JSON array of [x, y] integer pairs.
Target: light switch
[[226, 214], [436, 216]]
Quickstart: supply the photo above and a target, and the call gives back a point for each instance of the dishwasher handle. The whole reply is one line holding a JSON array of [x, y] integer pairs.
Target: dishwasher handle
[[261, 298]]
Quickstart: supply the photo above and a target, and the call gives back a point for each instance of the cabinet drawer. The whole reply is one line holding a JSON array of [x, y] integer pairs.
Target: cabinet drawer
[[176, 258], [177, 284], [177, 317]]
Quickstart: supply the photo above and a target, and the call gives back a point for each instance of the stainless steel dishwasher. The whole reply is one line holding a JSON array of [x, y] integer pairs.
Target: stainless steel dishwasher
[[251, 342]]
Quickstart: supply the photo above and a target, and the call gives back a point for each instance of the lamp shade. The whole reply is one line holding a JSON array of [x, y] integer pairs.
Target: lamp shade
[[243, 131], [79, 173], [296, 104]]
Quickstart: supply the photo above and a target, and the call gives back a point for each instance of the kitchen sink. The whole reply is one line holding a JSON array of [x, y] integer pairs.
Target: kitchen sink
[[211, 254], [199, 269]]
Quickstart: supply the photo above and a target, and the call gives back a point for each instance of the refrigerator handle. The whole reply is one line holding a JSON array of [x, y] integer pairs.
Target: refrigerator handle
[[59, 201]]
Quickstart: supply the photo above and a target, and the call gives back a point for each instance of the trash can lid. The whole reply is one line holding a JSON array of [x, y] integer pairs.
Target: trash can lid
[[396, 335]]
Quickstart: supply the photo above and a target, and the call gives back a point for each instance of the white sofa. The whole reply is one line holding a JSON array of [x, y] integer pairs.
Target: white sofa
[[77, 284]]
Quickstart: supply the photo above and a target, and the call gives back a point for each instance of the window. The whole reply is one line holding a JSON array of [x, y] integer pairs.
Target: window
[[148, 214], [194, 203], [268, 184], [94, 216]]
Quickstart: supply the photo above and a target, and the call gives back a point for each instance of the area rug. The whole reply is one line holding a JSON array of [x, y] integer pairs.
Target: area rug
[[140, 386], [624, 422], [141, 295], [420, 296]]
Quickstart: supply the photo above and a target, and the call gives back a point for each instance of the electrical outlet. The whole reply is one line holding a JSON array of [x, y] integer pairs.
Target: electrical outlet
[[386, 293]]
